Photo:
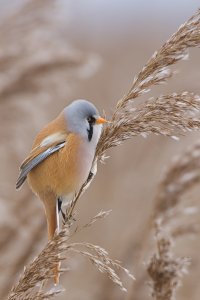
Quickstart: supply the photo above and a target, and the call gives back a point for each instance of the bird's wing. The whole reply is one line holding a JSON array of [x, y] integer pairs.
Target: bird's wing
[[47, 147]]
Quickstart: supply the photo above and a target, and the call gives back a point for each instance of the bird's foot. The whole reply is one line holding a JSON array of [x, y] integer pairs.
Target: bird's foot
[[60, 209]]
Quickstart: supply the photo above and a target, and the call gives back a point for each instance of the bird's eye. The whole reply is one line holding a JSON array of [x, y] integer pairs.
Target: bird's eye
[[91, 120]]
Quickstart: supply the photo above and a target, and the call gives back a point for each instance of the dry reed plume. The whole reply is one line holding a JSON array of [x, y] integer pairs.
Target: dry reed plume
[[170, 205], [165, 270], [170, 222], [167, 115], [183, 174], [172, 219], [31, 284], [157, 70]]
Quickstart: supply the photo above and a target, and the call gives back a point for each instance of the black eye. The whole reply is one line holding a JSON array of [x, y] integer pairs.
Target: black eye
[[91, 120]]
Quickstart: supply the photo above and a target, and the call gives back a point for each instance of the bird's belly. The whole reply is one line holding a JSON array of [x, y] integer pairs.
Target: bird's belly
[[63, 172]]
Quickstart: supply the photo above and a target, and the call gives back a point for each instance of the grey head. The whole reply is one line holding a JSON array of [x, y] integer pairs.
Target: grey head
[[82, 117]]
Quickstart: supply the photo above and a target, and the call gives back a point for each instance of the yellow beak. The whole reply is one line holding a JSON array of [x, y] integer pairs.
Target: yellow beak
[[101, 120]]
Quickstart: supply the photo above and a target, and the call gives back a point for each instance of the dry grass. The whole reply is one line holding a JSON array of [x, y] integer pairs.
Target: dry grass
[[170, 223], [156, 71], [165, 270], [182, 175], [167, 115], [173, 219], [32, 283]]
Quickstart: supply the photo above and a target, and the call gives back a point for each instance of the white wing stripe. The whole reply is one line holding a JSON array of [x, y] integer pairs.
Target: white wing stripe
[[53, 138], [35, 161]]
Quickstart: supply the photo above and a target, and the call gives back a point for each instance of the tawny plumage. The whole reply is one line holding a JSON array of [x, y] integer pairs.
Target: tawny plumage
[[61, 159]]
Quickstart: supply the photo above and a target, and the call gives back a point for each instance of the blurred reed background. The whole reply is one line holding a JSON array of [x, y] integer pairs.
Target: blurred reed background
[[51, 53]]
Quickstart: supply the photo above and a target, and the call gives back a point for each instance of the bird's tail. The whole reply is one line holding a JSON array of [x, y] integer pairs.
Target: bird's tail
[[51, 210]]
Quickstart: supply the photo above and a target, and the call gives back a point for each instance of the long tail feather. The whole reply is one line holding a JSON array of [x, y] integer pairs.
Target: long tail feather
[[52, 215]]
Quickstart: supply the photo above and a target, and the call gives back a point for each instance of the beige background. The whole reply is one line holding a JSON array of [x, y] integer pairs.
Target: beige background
[[52, 53]]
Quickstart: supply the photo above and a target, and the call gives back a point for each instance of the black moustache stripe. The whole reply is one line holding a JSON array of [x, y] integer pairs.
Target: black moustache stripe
[[90, 132]]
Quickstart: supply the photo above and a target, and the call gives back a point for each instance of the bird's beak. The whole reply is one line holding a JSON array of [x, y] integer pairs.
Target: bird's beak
[[101, 121]]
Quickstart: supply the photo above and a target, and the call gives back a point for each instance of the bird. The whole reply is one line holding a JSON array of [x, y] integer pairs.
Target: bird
[[61, 158]]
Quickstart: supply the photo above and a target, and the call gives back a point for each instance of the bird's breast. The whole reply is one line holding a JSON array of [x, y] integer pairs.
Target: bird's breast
[[65, 171], [87, 152], [75, 161]]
